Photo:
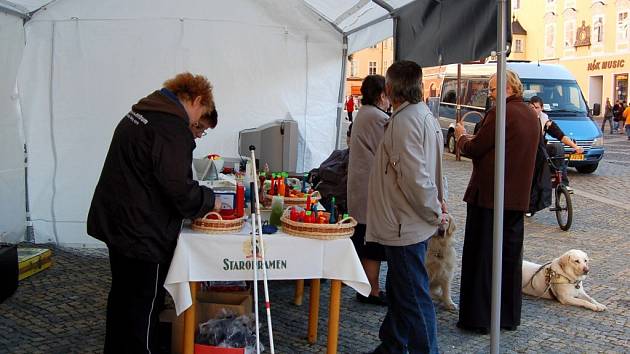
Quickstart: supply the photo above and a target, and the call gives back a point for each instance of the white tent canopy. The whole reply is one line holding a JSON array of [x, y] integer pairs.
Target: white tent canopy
[[74, 67], [69, 69]]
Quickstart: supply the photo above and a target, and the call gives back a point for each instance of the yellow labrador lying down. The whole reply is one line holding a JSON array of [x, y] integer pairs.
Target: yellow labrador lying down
[[560, 279]]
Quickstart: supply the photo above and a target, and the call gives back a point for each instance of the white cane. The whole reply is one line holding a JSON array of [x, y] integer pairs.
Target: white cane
[[255, 268], [262, 249]]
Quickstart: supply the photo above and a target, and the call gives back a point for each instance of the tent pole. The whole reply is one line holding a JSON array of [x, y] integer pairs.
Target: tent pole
[[499, 181], [395, 39], [342, 87], [30, 234]]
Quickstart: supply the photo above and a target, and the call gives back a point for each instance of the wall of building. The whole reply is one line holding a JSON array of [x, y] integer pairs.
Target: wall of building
[[601, 68], [374, 60]]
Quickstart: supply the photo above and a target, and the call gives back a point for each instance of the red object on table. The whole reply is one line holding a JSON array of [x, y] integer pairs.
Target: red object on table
[[294, 215], [308, 202], [240, 201]]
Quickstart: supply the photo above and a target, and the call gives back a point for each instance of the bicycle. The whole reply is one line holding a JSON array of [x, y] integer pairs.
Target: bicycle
[[561, 203]]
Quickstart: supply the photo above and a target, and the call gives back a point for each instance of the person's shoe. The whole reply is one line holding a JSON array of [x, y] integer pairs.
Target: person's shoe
[[476, 330], [529, 215], [380, 300], [509, 328]]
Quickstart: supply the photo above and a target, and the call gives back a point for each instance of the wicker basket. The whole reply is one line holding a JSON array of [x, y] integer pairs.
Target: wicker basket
[[297, 201], [343, 229], [217, 226]]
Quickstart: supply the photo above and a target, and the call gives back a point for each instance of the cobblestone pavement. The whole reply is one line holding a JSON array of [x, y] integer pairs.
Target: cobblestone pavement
[[62, 310]]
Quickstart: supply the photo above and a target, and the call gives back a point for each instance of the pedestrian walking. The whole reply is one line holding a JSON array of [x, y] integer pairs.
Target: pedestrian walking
[[617, 112], [608, 115], [350, 107]]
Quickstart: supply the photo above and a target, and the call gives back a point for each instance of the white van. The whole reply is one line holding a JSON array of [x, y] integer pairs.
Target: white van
[[564, 103]]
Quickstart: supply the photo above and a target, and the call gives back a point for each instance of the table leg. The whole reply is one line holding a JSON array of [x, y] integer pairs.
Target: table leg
[[313, 311], [190, 320], [333, 316], [299, 292]]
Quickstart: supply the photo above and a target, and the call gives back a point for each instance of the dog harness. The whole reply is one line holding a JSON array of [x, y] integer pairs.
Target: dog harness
[[553, 277]]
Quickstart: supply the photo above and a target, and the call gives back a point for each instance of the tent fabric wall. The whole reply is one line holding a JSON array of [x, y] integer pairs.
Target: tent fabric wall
[[86, 62], [443, 32], [12, 188], [369, 36]]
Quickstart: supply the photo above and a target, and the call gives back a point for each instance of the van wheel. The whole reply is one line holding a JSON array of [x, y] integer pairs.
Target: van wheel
[[587, 168], [450, 142]]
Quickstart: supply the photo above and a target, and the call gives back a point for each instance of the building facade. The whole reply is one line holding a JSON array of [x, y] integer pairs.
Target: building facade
[[369, 61], [591, 38]]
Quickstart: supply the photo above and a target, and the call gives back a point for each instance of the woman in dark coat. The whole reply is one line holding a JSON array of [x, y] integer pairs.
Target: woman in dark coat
[[522, 131]]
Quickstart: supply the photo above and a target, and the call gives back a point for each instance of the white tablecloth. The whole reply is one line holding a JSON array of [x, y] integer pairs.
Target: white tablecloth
[[221, 257]]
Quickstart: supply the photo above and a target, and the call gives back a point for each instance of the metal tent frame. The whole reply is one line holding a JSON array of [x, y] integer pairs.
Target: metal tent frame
[[346, 24]]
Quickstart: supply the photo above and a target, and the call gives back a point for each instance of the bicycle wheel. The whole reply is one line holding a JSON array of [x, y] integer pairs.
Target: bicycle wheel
[[564, 208]]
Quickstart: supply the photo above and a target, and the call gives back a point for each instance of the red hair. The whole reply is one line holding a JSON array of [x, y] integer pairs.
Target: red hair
[[187, 87]]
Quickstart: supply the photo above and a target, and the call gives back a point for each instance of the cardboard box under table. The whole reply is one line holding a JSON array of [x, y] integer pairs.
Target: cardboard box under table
[[227, 257], [209, 306]]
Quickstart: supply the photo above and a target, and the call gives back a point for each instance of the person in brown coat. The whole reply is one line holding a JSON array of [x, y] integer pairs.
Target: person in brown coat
[[522, 131]]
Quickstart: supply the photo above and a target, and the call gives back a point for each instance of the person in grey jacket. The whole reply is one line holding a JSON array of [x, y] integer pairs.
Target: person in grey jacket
[[369, 127], [406, 203]]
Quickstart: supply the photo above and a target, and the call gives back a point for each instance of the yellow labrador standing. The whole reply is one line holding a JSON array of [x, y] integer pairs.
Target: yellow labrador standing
[[440, 264], [560, 279]]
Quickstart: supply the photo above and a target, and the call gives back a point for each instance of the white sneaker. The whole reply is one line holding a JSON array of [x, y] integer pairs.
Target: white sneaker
[[529, 215]]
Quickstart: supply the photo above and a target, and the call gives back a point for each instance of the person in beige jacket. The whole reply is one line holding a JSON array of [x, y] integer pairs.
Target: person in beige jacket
[[405, 207], [368, 129]]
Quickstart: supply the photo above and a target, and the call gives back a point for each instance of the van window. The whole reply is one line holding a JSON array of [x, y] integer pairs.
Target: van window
[[560, 96], [477, 93], [449, 90]]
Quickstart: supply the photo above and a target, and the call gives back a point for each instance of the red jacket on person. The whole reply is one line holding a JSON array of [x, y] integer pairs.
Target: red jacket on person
[[350, 105]]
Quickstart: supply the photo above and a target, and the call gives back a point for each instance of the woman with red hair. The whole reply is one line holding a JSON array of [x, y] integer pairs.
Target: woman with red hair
[[144, 192]]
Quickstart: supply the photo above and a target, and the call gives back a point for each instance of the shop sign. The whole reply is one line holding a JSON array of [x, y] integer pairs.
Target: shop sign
[[606, 64]]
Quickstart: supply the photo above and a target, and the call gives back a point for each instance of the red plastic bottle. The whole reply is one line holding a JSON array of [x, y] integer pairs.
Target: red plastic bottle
[[308, 202], [240, 201]]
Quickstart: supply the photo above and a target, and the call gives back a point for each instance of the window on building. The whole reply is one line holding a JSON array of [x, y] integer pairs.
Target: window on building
[[372, 68], [550, 40], [354, 68], [598, 30], [385, 44], [569, 4], [518, 46], [550, 6], [385, 66], [623, 30], [569, 35], [374, 46], [516, 4]]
